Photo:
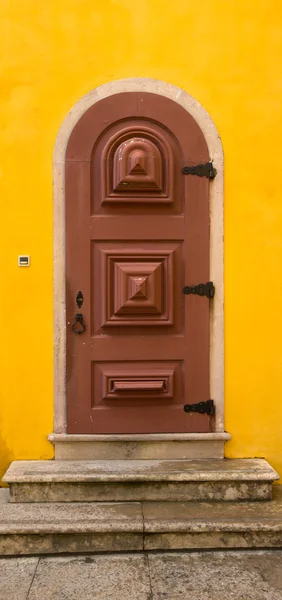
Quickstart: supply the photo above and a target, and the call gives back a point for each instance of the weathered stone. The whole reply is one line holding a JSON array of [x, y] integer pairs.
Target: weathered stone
[[178, 526], [217, 576], [4, 495], [199, 517], [70, 543], [70, 518], [139, 446], [65, 528], [43, 471], [89, 577], [75, 527], [140, 480], [212, 540], [16, 577], [239, 575], [113, 527], [140, 491]]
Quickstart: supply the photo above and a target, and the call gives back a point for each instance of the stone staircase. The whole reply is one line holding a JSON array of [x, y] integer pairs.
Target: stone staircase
[[132, 505]]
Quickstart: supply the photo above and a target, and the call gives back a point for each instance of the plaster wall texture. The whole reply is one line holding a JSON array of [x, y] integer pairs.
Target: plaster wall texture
[[55, 53]]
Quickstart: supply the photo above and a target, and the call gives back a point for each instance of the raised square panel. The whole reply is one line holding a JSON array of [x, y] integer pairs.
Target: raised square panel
[[138, 287]]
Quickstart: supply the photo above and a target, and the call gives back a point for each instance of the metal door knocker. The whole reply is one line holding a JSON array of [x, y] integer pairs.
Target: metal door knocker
[[78, 319]]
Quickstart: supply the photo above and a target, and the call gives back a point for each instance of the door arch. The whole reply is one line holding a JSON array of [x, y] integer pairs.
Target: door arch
[[212, 139]]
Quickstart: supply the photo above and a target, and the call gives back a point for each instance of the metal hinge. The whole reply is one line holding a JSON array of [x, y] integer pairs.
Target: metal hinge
[[204, 408], [203, 170], [203, 289]]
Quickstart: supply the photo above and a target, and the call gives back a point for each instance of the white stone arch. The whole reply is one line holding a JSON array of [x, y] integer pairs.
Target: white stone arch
[[216, 242]]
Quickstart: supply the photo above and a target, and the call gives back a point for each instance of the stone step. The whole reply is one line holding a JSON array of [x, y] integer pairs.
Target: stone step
[[138, 446], [53, 528], [140, 480]]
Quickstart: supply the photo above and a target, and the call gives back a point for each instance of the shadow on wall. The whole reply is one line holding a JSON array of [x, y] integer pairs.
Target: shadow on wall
[[6, 457]]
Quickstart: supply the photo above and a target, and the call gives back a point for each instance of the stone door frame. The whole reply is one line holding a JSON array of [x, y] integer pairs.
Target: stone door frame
[[216, 237]]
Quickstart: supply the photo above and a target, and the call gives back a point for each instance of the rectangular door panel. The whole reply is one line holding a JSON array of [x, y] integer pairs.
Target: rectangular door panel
[[133, 383]]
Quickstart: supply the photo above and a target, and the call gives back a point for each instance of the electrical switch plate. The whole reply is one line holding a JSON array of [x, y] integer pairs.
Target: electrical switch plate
[[23, 260]]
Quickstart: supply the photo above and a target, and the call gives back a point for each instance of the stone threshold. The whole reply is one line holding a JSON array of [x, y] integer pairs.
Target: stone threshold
[[138, 446], [138, 437], [81, 527]]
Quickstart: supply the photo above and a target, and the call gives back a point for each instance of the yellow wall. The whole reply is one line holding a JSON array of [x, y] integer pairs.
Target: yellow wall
[[227, 54]]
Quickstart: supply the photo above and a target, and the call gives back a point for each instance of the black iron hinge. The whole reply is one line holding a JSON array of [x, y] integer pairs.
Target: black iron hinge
[[203, 170], [204, 408], [203, 289]]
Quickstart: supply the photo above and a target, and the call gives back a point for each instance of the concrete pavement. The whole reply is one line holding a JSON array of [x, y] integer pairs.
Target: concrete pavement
[[230, 575]]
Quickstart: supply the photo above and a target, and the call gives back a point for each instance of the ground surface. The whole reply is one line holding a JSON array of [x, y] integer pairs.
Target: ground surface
[[245, 575]]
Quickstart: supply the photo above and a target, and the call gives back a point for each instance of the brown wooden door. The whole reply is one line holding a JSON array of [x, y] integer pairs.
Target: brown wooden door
[[137, 231]]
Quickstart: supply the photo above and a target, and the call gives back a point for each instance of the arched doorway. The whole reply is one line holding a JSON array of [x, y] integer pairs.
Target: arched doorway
[[165, 149]]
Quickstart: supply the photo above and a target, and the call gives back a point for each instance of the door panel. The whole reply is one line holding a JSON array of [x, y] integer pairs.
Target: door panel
[[136, 285], [137, 231], [134, 169]]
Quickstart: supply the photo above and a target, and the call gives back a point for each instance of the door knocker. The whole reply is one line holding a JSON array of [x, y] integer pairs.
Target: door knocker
[[78, 319]]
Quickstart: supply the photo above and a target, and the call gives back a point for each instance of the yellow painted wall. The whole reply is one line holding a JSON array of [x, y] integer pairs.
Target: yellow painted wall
[[227, 54]]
